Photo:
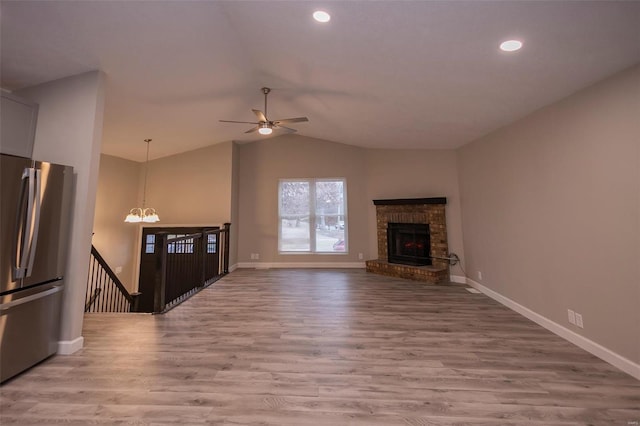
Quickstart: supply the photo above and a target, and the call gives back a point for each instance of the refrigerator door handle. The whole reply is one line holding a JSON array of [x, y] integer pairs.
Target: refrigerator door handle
[[24, 224], [36, 220], [4, 307]]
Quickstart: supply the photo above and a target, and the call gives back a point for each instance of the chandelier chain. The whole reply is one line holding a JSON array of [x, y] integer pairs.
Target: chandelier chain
[[146, 173]]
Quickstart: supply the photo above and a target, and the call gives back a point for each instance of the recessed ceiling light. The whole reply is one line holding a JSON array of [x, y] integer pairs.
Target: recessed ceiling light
[[321, 16], [510, 45]]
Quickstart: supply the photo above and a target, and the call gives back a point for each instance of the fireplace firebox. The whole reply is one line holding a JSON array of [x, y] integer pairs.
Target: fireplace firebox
[[409, 243]]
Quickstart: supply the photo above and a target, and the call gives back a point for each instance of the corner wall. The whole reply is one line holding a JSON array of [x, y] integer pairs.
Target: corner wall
[[415, 174], [551, 208], [69, 131], [117, 193]]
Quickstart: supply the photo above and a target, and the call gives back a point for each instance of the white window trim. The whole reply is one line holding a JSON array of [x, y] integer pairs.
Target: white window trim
[[312, 216]]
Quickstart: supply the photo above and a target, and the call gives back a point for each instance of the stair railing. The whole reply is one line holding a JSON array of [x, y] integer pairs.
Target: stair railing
[[105, 291], [188, 264]]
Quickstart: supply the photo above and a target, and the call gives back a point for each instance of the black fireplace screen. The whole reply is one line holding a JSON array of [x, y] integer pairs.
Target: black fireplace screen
[[409, 243]]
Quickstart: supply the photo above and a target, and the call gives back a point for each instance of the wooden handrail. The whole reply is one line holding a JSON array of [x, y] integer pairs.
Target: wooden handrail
[[111, 274], [112, 305], [184, 265]]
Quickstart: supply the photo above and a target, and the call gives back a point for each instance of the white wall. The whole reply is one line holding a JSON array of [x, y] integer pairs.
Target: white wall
[[69, 132]]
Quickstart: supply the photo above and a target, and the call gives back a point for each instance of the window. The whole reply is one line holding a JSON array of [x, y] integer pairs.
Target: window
[[212, 243], [150, 244], [312, 214]]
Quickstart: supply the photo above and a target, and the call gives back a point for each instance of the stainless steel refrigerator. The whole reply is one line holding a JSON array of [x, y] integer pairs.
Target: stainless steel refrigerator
[[35, 206]]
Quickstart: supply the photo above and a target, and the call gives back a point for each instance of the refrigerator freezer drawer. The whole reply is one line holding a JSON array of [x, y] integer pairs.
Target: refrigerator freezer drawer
[[29, 331]]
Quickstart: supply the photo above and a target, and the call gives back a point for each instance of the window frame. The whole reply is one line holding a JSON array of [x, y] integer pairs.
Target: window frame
[[313, 216]]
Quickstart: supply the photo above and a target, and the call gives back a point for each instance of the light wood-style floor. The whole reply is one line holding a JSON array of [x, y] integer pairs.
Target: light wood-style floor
[[323, 347]]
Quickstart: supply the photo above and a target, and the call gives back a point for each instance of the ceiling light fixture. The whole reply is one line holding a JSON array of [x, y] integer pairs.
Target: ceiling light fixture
[[143, 214], [265, 129], [510, 45], [321, 16]]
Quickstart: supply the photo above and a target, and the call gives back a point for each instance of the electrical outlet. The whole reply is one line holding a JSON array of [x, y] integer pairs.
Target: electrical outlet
[[579, 322], [254, 256], [257, 256], [572, 316], [118, 269], [360, 256], [479, 275]]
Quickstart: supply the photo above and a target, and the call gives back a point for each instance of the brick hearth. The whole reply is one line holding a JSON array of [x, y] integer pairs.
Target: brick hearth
[[415, 210]]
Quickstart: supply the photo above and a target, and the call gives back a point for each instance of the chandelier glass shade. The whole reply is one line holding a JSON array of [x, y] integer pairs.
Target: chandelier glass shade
[[138, 214], [143, 214]]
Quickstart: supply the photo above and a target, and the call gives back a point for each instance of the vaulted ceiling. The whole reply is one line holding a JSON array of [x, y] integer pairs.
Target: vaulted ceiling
[[383, 74]]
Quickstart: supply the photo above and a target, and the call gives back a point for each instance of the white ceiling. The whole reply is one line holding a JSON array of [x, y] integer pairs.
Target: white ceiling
[[381, 74]]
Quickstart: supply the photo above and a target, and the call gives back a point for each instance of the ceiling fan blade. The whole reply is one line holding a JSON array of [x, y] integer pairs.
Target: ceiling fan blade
[[292, 120], [254, 129], [260, 115], [287, 129], [243, 122]]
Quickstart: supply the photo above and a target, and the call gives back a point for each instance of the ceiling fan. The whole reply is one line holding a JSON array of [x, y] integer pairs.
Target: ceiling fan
[[264, 126]]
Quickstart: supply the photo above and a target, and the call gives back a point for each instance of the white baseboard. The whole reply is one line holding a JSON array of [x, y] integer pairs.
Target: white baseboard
[[324, 265], [458, 279], [588, 345], [233, 267], [67, 347]]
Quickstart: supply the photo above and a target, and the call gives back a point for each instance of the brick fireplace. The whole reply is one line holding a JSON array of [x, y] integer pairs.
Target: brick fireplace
[[413, 211]]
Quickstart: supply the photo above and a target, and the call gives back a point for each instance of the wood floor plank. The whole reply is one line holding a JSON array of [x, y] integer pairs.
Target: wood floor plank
[[323, 347]]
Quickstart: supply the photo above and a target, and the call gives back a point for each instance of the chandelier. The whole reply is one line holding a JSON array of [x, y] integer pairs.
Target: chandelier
[[143, 214]]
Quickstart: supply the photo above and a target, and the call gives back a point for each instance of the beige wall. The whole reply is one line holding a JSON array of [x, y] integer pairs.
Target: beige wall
[[415, 174], [370, 174], [550, 211], [263, 163], [69, 131], [192, 188], [118, 192], [239, 182]]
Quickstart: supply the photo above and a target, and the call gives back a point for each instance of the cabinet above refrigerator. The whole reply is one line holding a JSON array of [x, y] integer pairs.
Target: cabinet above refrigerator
[[18, 118]]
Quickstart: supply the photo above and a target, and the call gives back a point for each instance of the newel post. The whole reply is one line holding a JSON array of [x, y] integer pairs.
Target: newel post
[[227, 229], [161, 273]]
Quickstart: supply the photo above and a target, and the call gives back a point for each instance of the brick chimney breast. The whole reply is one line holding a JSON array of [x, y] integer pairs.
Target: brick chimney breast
[[430, 211]]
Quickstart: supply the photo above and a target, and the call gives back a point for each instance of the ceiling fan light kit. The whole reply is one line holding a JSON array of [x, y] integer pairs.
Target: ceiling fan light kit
[[264, 126], [510, 45], [321, 16], [265, 129]]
